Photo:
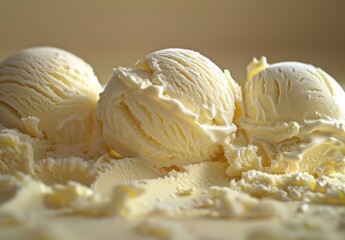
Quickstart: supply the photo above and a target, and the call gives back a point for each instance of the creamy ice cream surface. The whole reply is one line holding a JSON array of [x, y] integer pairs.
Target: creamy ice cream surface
[[294, 117], [49, 93], [291, 91], [175, 107]]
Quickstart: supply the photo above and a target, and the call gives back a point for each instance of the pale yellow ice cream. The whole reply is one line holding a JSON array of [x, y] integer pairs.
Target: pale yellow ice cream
[[49, 93], [291, 91], [293, 118], [174, 107], [197, 203], [46, 196]]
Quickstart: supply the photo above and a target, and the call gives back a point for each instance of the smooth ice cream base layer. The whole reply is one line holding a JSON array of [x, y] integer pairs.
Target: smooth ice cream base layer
[[97, 194]]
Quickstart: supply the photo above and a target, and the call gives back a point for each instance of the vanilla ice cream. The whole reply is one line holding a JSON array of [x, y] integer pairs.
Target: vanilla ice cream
[[174, 107], [293, 117], [49, 93]]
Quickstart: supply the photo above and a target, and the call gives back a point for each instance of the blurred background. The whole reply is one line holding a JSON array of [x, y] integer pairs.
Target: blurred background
[[117, 33]]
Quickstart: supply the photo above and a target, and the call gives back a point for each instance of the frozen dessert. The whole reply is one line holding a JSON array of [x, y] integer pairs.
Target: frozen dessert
[[196, 203], [176, 111], [49, 93], [293, 119], [174, 107], [291, 91]]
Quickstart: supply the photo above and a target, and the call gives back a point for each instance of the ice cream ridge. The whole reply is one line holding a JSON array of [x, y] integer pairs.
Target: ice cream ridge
[[171, 148]]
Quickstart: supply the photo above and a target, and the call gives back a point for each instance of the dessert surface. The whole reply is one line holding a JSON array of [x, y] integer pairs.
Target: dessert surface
[[172, 148]]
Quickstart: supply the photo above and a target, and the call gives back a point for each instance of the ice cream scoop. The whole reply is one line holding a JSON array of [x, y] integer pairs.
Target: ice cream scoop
[[292, 91], [49, 93], [293, 118], [174, 107]]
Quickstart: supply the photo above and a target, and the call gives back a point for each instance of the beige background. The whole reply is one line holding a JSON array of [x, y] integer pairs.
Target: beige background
[[112, 33]]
